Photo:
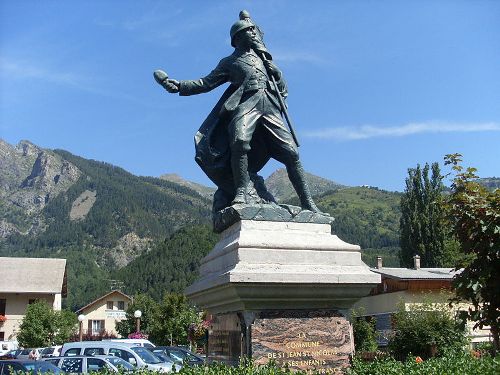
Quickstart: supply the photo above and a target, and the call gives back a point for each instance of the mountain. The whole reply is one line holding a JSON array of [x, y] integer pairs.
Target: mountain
[[204, 191], [490, 183], [98, 216], [281, 188]]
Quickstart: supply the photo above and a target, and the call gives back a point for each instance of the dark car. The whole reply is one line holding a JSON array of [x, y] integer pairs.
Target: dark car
[[11, 354], [180, 354], [8, 367]]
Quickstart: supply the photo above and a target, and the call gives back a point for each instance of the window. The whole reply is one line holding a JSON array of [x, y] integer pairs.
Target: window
[[2, 336], [97, 326], [13, 368], [109, 305], [95, 364], [72, 352], [121, 305], [73, 365], [126, 356], [93, 351]]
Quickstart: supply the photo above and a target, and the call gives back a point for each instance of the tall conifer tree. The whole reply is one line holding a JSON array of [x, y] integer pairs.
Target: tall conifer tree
[[422, 228]]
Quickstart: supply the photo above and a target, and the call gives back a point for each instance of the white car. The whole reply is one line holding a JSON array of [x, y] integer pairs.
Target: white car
[[135, 355], [86, 364]]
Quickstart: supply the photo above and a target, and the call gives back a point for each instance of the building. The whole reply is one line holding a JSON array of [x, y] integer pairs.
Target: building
[[24, 281], [102, 314], [409, 286]]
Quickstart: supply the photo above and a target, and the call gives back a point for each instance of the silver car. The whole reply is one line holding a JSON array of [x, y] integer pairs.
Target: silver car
[[86, 364]]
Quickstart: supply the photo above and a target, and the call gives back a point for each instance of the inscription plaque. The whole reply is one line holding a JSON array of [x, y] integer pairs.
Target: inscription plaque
[[224, 339], [303, 340]]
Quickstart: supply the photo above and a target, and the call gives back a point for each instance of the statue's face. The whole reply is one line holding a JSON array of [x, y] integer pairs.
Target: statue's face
[[246, 38]]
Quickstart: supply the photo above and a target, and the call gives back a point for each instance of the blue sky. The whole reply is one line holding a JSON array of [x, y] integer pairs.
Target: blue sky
[[375, 86]]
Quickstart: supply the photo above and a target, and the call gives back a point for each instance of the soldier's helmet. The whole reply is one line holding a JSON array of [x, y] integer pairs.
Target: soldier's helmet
[[239, 26]]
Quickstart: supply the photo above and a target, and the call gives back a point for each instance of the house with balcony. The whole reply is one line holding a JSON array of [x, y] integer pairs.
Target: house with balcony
[[24, 281], [101, 315]]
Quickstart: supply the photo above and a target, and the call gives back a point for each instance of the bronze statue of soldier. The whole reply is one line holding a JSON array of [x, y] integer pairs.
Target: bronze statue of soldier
[[245, 129]]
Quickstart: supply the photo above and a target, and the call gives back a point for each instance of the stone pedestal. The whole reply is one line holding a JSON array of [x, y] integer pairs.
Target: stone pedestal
[[278, 288]]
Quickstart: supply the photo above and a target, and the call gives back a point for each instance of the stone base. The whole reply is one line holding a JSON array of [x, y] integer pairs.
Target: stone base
[[319, 340], [262, 265], [276, 290]]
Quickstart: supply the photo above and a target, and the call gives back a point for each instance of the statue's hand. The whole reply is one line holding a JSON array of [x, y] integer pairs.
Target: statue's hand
[[171, 85], [272, 69]]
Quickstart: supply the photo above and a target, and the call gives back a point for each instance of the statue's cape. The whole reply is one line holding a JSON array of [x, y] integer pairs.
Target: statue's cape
[[213, 153]]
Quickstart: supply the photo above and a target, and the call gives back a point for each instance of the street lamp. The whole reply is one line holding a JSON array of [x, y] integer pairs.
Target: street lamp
[[137, 315], [81, 318]]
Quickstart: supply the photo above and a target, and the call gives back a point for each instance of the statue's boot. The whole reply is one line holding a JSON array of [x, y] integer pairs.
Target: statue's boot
[[298, 180], [239, 165]]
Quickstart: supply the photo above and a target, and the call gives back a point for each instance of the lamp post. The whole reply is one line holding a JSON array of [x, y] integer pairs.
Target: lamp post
[[137, 315], [81, 317]]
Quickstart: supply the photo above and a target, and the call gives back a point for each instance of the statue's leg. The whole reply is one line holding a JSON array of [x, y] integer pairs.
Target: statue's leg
[[241, 129], [239, 166], [297, 178], [284, 149]]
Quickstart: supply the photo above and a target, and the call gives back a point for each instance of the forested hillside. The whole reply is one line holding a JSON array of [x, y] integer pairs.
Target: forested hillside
[[171, 265], [366, 216]]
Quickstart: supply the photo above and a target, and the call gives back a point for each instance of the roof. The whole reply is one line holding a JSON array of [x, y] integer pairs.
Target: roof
[[416, 274], [33, 275], [102, 297]]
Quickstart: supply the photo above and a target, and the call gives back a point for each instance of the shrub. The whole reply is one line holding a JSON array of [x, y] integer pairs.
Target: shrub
[[451, 363], [425, 330], [364, 332]]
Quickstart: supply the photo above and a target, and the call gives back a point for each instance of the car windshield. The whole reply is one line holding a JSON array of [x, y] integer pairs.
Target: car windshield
[[117, 362], [48, 351], [146, 355]]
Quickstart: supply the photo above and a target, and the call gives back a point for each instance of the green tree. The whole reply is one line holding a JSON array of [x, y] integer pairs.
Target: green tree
[[422, 225], [149, 309], [42, 326], [424, 327], [474, 213], [162, 322], [175, 316], [363, 332]]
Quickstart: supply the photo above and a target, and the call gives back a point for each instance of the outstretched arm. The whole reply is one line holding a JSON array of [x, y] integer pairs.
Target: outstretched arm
[[217, 77]]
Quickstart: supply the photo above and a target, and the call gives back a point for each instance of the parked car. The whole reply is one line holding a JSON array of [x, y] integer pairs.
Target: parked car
[[135, 355], [7, 346], [11, 354], [137, 342], [8, 367], [86, 364], [51, 351], [180, 354]]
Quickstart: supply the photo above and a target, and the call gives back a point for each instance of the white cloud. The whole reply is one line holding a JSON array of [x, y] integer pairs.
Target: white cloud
[[29, 70], [26, 70], [371, 131]]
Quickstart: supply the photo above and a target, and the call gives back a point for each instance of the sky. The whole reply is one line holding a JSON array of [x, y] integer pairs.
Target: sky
[[375, 87]]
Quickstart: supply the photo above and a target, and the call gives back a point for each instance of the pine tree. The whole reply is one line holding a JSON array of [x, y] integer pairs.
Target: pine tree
[[422, 228]]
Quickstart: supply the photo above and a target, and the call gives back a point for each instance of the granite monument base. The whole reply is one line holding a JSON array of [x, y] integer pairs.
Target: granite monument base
[[278, 290], [319, 340]]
